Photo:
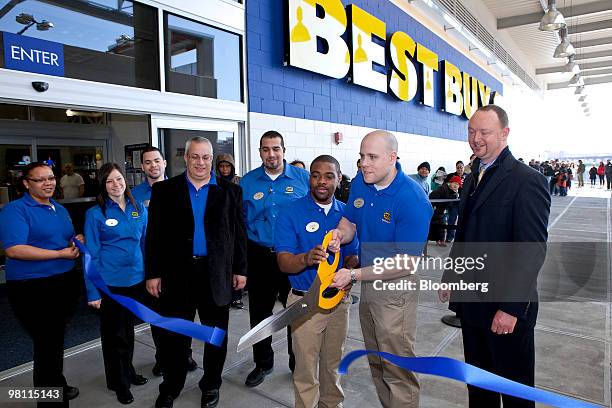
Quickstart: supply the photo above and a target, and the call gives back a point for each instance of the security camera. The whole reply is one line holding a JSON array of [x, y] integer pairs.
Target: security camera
[[40, 86]]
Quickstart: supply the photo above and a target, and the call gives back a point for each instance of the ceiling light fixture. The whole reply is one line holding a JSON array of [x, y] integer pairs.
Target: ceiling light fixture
[[552, 20], [571, 65], [565, 49]]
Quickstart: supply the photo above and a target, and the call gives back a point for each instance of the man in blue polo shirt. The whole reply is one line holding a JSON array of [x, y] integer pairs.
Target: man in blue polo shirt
[[265, 189], [153, 165], [391, 214], [318, 339]]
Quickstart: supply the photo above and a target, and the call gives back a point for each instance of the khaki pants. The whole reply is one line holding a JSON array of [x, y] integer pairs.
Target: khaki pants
[[388, 323], [318, 345]]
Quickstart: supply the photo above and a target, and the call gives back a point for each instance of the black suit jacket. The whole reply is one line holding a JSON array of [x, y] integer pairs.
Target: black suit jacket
[[169, 243], [506, 216]]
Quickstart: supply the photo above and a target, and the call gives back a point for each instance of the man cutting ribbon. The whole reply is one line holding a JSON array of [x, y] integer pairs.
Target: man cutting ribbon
[[319, 337]]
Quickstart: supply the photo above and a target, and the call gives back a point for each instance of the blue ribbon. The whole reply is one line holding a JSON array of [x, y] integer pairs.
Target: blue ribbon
[[212, 335], [467, 373]]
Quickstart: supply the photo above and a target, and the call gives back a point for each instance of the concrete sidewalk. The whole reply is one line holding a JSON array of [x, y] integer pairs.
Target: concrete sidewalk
[[572, 342]]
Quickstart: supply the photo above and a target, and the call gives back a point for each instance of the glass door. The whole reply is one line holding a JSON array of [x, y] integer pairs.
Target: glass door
[[170, 135], [15, 154]]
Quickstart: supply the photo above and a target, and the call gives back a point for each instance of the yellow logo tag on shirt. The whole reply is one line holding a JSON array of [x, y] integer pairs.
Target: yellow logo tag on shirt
[[134, 214], [358, 203], [312, 226], [288, 189], [387, 216], [258, 196]]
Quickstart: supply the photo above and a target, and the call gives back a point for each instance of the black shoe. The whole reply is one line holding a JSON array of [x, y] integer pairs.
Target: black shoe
[[157, 370], [237, 304], [164, 401], [70, 393], [124, 396], [256, 376], [139, 380], [191, 364], [210, 399]]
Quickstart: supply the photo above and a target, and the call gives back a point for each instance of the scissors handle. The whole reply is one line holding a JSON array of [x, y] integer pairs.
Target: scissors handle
[[328, 297]]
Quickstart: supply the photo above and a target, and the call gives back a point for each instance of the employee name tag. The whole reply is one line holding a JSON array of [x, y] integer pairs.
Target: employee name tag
[[312, 226], [111, 222]]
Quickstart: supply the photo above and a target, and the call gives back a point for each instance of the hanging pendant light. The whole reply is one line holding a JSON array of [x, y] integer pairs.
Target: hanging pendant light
[[579, 90], [552, 20], [582, 98], [565, 49], [571, 65]]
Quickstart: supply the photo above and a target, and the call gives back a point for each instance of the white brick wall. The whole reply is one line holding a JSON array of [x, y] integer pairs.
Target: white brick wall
[[306, 139]]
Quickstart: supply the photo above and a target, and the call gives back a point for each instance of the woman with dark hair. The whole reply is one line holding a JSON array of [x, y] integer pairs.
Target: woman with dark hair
[[43, 289], [115, 235]]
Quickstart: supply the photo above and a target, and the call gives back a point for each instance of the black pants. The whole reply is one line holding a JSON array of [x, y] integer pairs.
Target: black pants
[[266, 284], [198, 297], [117, 335], [601, 179], [43, 307], [509, 355], [157, 332], [608, 181]]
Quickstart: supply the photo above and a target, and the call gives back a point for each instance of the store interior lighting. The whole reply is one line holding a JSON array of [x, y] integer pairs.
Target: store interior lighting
[[552, 20], [565, 49]]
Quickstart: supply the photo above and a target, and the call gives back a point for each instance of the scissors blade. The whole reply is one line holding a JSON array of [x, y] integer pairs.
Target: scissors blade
[[274, 323]]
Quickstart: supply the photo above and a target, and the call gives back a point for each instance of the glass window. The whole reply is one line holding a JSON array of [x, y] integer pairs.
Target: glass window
[[202, 60], [104, 40], [8, 111], [13, 158], [173, 142]]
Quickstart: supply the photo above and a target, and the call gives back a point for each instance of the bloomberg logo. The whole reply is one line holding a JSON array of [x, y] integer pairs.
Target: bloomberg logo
[[33, 55]]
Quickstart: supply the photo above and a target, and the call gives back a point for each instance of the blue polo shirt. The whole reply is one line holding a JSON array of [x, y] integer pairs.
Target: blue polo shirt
[[26, 222], [142, 192], [262, 198], [301, 226], [198, 206], [116, 242], [399, 214]]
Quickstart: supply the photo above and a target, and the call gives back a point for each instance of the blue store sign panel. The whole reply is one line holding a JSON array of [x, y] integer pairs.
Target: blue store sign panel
[[29, 54]]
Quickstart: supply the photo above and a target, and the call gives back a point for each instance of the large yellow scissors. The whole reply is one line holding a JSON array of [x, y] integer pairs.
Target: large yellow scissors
[[319, 297]]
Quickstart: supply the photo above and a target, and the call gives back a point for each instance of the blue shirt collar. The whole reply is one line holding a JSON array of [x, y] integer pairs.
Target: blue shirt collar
[[29, 200], [212, 181], [395, 185], [314, 206], [288, 171]]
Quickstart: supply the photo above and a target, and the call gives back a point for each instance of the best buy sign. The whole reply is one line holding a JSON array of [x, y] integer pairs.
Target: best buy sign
[[326, 20]]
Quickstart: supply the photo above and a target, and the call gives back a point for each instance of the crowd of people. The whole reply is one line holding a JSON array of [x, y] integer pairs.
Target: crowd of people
[[192, 242]]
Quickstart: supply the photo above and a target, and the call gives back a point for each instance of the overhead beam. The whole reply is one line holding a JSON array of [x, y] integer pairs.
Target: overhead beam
[[587, 81], [596, 72], [591, 55], [589, 27], [561, 68], [592, 43], [578, 10]]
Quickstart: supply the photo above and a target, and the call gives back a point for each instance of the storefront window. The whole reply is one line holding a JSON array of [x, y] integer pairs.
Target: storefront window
[[103, 41], [173, 142], [202, 60]]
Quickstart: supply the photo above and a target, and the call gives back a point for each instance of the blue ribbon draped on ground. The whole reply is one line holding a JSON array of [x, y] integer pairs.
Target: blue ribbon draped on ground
[[212, 335], [467, 373]]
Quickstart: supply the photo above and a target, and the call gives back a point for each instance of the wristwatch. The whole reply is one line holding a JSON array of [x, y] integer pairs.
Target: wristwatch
[[353, 276]]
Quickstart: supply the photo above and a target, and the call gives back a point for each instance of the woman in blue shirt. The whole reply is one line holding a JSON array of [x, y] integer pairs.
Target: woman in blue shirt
[[115, 236], [43, 289]]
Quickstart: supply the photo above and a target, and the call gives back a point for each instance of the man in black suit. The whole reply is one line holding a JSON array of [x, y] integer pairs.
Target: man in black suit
[[195, 256], [504, 213]]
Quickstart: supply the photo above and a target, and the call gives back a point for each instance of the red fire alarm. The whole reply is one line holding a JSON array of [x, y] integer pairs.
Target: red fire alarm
[[338, 137]]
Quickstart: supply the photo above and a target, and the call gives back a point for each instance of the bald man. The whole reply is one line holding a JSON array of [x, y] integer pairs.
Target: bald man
[[390, 213]]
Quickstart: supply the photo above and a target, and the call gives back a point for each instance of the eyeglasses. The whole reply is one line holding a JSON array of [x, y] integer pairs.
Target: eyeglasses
[[42, 180], [196, 158]]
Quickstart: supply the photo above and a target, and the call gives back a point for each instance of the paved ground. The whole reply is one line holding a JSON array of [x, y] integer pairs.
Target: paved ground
[[572, 339]]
